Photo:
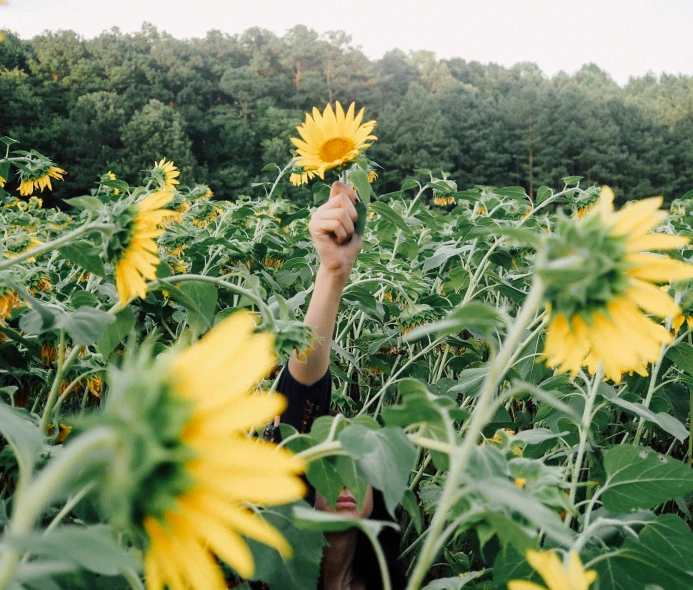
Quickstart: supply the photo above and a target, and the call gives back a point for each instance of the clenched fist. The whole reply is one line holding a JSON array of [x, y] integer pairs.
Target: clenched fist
[[332, 228]]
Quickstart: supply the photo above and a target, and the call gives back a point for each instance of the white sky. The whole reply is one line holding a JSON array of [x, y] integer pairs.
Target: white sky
[[624, 37]]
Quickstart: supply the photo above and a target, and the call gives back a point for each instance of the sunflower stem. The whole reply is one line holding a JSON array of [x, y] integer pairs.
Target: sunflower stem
[[280, 175], [57, 243], [584, 430], [459, 459], [655, 373], [63, 367], [87, 450]]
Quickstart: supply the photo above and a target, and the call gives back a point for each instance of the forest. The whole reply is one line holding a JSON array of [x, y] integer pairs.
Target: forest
[[223, 106]]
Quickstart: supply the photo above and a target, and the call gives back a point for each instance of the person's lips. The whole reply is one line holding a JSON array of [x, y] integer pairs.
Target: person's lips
[[345, 501]]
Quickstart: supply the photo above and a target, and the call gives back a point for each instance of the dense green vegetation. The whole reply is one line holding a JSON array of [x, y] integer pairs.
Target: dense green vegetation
[[223, 106]]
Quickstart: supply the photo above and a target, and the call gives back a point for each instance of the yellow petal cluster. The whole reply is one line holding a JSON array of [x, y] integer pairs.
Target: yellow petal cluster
[[141, 257], [331, 138], [170, 174], [299, 178], [228, 470], [621, 336], [28, 186], [554, 574], [8, 301]]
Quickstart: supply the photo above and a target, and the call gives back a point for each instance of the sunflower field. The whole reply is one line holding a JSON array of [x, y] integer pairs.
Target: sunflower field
[[513, 374]]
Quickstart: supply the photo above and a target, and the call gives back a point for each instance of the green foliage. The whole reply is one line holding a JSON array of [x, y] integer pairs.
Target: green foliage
[[223, 106]]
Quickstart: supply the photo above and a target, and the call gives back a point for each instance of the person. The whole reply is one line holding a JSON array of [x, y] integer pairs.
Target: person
[[349, 562]]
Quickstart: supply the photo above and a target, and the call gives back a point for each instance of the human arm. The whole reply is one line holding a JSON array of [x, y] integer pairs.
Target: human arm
[[332, 228]]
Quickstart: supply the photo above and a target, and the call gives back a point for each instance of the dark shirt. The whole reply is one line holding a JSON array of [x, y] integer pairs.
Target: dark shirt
[[305, 403]]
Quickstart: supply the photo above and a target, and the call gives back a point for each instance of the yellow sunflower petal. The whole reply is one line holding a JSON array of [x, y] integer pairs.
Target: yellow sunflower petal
[[660, 269], [652, 299], [645, 242]]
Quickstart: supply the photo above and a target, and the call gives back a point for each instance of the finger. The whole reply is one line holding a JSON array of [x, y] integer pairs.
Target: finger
[[341, 188], [341, 215], [340, 201], [332, 226]]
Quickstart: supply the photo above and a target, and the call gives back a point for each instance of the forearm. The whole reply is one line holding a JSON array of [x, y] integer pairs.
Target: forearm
[[321, 316]]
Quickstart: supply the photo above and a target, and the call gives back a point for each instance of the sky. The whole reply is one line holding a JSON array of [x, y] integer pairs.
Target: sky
[[624, 37]]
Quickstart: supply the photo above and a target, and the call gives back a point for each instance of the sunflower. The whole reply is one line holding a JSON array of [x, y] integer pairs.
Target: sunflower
[[40, 178], [601, 283], [443, 201], [331, 139], [8, 301], [138, 257], [2, 181], [168, 172], [110, 176], [556, 576], [183, 421]]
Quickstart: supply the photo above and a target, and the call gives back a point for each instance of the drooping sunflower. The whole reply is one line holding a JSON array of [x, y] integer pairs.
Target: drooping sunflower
[[191, 466], [39, 178], [8, 301], [601, 283], [299, 178], [556, 576], [135, 248], [169, 173], [331, 138]]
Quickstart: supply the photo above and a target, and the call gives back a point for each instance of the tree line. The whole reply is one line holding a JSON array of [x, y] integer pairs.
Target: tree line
[[223, 106]]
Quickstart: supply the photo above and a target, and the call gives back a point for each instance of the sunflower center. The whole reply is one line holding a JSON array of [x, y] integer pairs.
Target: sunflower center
[[335, 149]]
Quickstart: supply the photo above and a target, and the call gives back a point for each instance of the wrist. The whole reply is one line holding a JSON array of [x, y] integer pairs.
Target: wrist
[[336, 277]]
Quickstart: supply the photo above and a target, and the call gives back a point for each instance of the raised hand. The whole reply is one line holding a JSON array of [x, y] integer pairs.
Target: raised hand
[[332, 229]]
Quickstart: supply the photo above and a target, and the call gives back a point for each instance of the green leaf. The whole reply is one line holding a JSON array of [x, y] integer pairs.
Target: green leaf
[[82, 298], [324, 477], [637, 477], [500, 491], [384, 457], [92, 548], [91, 204], [114, 334], [321, 193], [543, 193], [8, 141], [199, 298], [411, 505], [269, 167], [327, 522], [362, 213], [442, 255], [571, 180], [120, 185], [470, 381], [409, 183], [475, 316], [513, 192], [300, 571], [20, 429], [660, 557], [389, 214], [681, 355], [456, 583], [665, 421], [352, 480], [360, 180], [86, 255], [86, 325]]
